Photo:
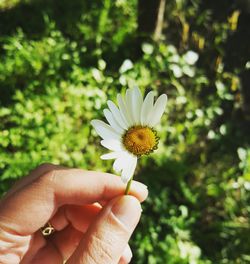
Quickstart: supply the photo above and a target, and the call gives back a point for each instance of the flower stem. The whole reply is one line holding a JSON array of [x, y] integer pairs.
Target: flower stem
[[128, 186]]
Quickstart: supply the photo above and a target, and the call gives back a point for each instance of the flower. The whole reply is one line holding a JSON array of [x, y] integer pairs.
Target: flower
[[130, 132]]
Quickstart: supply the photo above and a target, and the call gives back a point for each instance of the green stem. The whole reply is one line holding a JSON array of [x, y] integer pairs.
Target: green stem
[[128, 185]]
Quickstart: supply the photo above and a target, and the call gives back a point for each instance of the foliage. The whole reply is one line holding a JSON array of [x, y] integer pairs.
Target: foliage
[[56, 75]]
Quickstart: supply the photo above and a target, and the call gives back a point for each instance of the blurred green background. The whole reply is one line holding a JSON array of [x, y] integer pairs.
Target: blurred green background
[[62, 60]]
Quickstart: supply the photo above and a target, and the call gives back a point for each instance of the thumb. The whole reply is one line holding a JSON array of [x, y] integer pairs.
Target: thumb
[[108, 236]]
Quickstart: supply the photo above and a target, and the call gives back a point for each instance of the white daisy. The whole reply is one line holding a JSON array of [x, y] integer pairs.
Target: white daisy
[[130, 131]]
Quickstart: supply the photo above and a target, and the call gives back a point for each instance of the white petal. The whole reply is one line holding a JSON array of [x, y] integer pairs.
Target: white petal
[[104, 130], [147, 108], [111, 155], [112, 144], [158, 110], [117, 115], [123, 110], [118, 164], [129, 168], [113, 123], [137, 101], [129, 104]]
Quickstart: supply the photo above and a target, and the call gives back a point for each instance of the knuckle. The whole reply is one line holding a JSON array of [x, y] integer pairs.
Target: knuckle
[[45, 165], [50, 176], [43, 168]]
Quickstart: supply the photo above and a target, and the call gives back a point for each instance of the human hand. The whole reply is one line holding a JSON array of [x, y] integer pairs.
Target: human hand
[[70, 199]]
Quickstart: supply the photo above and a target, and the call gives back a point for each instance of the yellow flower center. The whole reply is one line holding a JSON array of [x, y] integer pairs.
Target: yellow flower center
[[140, 140]]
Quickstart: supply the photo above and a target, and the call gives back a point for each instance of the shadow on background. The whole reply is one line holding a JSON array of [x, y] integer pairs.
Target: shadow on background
[[30, 16]]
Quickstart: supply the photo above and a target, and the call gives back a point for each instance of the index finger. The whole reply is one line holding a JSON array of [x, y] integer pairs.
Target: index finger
[[77, 185], [30, 207]]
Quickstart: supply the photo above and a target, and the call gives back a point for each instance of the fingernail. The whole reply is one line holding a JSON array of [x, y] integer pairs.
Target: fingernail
[[127, 254], [140, 186], [128, 210]]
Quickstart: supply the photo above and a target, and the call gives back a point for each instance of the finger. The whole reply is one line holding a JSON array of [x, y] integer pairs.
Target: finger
[[49, 254], [108, 236], [67, 240], [34, 174], [78, 216], [78, 186], [77, 219], [73, 220], [30, 207]]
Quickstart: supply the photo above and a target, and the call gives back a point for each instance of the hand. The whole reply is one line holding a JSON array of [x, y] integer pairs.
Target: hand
[[70, 199]]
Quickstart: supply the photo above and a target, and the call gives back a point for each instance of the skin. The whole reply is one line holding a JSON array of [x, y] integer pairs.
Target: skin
[[92, 217]]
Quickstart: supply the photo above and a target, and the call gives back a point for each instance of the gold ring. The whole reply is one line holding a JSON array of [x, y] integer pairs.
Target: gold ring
[[47, 229]]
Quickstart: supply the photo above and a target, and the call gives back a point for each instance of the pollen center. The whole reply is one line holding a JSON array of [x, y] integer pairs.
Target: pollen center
[[140, 140]]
